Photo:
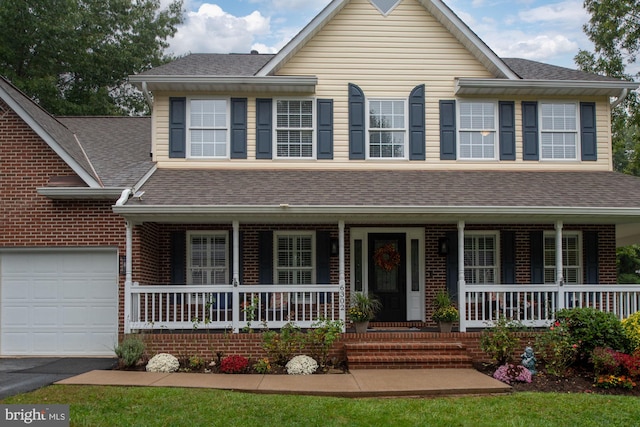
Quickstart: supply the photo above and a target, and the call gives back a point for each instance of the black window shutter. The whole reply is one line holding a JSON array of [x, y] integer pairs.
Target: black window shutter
[[530, 149], [178, 257], [357, 126], [588, 131], [507, 124], [323, 257], [417, 149], [536, 255], [264, 128], [452, 265], [238, 128], [325, 129], [447, 130], [590, 245], [508, 257], [265, 254], [177, 128]]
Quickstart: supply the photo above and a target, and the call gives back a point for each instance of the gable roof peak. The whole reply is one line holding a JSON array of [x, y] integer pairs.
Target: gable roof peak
[[437, 8]]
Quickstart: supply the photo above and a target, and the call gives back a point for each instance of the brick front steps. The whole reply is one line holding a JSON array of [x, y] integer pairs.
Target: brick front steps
[[407, 355]]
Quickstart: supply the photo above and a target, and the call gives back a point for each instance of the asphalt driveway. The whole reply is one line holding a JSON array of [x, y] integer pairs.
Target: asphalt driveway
[[21, 375]]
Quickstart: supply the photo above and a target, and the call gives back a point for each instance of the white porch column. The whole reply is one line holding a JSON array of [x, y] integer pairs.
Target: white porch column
[[462, 285], [128, 276], [559, 266], [342, 281], [235, 302]]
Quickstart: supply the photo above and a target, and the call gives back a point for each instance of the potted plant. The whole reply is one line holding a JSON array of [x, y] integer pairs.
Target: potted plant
[[445, 313], [363, 308]]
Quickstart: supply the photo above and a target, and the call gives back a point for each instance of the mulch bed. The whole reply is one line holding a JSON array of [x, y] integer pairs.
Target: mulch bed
[[577, 381]]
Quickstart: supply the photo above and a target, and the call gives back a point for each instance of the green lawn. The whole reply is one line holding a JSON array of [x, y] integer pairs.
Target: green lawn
[[152, 406]]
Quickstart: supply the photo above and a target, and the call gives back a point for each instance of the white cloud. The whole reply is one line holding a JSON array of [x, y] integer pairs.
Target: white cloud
[[211, 29], [536, 47], [568, 13]]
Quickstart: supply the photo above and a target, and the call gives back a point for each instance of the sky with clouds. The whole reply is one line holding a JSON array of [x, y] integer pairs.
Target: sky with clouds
[[542, 30]]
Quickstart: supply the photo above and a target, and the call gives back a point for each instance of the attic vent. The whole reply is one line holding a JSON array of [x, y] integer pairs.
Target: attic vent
[[385, 6]]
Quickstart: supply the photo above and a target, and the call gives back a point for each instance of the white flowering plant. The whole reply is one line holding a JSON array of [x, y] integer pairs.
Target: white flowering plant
[[163, 362], [301, 365]]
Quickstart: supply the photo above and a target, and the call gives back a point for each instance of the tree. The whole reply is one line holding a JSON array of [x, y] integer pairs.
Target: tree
[[614, 29], [73, 56]]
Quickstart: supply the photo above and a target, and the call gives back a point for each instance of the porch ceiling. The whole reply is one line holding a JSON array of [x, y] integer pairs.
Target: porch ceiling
[[370, 196]]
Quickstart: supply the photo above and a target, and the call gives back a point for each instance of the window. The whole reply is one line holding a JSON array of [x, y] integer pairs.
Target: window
[[207, 258], [294, 257], [481, 258], [387, 129], [477, 130], [571, 256], [559, 131], [294, 128], [208, 128]]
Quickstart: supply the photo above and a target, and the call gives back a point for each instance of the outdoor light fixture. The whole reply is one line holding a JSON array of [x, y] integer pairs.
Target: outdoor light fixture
[[335, 247], [443, 246]]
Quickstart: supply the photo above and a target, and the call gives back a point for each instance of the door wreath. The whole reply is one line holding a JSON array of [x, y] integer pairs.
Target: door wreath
[[386, 257]]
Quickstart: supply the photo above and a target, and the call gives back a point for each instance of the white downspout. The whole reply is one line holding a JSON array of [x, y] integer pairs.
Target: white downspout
[[235, 313], [342, 282], [128, 277], [462, 285], [620, 98], [559, 267]]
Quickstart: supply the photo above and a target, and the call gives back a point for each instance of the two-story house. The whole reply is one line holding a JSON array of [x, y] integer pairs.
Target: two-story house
[[386, 149]]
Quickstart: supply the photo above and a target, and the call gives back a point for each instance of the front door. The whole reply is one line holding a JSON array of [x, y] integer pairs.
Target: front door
[[387, 275]]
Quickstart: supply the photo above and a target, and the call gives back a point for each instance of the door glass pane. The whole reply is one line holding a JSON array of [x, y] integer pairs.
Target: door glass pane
[[415, 266], [357, 253]]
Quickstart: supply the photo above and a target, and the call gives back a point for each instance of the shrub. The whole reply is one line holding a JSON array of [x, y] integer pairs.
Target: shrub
[[196, 363], [604, 361], [262, 366], [234, 364], [500, 341], [630, 363], [320, 339], [281, 347], [631, 326], [129, 351], [163, 362], [556, 349], [301, 365], [591, 328], [512, 373], [613, 381]]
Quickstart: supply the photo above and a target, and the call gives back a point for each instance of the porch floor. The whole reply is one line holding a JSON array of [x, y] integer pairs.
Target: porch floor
[[356, 383]]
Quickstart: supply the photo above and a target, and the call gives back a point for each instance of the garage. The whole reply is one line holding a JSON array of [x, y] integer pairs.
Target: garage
[[58, 303]]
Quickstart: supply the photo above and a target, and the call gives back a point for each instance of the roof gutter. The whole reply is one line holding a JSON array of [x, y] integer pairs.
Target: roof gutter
[[542, 84], [147, 95], [67, 193]]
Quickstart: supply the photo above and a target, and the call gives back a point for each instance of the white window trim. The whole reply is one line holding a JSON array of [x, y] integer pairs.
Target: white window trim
[[577, 131], [314, 131], [580, 265], [495, 130], [405, 130], [496, 235], [277, 234], [195, 233], [227, 125]]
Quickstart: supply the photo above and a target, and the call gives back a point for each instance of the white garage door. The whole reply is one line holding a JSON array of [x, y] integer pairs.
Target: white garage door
[[58, 303]]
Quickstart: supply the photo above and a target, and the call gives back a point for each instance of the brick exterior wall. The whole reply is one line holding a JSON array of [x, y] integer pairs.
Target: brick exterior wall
[[250, 345], [30, 220]]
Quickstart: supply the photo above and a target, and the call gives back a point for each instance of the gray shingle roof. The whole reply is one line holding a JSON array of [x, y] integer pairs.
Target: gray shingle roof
[[56, 130], [532, 70], [390, 188], [216, 64], [118, 147], [212, 64]]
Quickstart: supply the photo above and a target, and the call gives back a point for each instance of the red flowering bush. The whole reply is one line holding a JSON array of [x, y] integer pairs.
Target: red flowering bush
[[234, 365], [629, 362]]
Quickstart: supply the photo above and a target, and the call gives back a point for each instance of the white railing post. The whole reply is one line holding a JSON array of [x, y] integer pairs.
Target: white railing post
[[342, 282], [559, 266], [462, 286], [235, 296]]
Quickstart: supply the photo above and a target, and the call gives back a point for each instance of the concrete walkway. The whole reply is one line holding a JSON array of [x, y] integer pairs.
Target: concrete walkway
[[357, 383]]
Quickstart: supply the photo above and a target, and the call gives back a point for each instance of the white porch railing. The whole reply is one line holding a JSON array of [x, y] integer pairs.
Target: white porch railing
[[536, 305], [229, 307]]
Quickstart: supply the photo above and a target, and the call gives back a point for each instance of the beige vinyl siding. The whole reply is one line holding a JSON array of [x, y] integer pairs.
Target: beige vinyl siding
[[386, 57]]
